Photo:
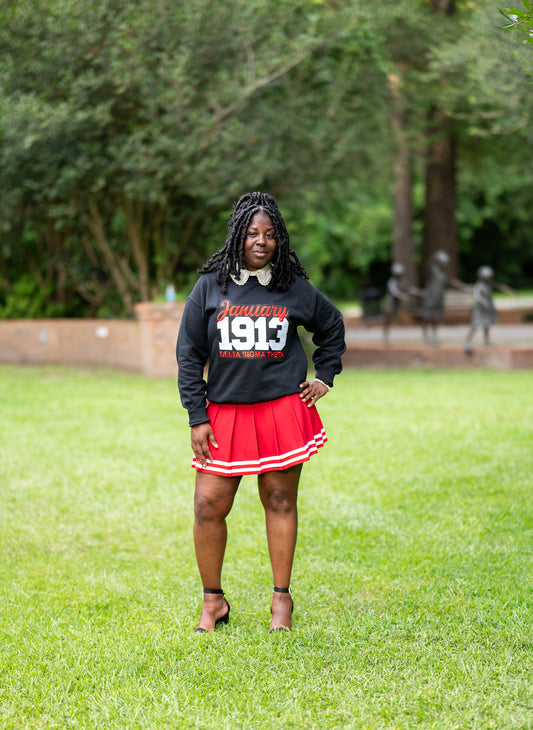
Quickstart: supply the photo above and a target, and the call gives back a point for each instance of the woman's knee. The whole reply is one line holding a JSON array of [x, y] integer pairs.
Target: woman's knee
[[279, 490], [279, 500], [213, 501], [208, 510]]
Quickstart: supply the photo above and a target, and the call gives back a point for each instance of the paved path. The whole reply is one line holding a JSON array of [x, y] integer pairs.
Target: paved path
[[501, 334]]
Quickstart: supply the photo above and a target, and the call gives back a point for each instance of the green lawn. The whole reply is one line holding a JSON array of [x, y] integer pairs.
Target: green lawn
[[412, 583]]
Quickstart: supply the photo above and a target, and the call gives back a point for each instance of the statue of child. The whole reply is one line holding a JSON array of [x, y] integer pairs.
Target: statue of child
[[484, 312]]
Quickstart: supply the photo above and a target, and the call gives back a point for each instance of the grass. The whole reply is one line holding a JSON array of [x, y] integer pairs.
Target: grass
[[412, 583]]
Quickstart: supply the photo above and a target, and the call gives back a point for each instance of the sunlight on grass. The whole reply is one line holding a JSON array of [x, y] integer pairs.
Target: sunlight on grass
[[412, 582]]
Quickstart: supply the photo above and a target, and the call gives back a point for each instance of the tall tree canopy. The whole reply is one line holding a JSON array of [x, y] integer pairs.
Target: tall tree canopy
[[127, 129]]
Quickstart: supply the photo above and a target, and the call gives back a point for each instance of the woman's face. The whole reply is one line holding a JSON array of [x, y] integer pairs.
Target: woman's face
[[260, 242]]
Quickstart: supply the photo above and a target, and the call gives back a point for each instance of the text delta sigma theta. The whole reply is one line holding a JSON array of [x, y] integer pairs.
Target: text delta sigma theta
[[258, 330]]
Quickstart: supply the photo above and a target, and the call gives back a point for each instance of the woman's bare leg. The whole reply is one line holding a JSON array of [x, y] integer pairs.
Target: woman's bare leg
[[213, 500], [278, 491]]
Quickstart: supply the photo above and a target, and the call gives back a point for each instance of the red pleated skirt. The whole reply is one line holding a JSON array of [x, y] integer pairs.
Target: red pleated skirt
[[260, 437]]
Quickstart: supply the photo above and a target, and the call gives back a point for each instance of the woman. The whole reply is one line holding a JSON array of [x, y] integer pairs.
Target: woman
[[256, 413]]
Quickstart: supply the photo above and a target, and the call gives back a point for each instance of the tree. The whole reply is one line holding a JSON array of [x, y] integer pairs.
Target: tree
[[484, 73], [131, 120], [127, 129], [458, 86], [403, 250]]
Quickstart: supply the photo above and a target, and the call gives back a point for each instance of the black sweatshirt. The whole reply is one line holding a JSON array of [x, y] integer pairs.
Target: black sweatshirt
[[249, 337]]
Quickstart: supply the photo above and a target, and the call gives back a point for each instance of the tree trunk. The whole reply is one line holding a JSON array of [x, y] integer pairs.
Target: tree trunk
[[440, 230], [95, 224], [139, 247], [402, 232], [446, 7]]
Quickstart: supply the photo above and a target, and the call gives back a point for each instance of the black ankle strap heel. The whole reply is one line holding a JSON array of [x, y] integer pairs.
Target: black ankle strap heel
[[285, 590], [223, 619], [282, 590]]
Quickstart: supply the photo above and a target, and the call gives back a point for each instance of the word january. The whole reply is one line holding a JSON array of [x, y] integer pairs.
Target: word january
[[252, 310]]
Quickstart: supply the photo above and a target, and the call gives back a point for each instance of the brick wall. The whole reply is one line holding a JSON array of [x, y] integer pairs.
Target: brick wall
[[158, 324], [146, 345]]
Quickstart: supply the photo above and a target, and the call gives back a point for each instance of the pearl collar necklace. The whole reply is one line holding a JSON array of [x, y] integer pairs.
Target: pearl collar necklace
[[264, 276]]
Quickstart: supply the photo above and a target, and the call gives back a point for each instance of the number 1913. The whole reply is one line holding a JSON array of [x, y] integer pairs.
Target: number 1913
[[245, 333]]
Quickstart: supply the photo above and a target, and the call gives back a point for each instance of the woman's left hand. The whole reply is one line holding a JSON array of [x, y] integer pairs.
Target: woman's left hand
[[312, 390]]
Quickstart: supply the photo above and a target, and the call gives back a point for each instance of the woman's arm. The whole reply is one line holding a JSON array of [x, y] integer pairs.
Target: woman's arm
[[192, 351], [327, 326]]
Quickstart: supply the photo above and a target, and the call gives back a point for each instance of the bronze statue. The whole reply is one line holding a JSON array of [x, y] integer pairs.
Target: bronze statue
[[484, 312], [396, 296], [432, 311]]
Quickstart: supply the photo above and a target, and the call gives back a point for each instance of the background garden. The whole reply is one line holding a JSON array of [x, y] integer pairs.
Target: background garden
[[385, 130], [412, 581]]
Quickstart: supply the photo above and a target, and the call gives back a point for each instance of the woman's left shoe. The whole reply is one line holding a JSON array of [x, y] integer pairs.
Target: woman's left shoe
[[224, 618], [282, 628]]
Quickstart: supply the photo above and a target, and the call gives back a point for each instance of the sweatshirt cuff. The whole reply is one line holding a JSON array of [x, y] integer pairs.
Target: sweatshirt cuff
[[325, 378], [197, 416]]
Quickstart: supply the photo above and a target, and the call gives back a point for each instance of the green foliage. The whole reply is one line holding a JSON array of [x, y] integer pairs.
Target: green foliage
[[483, 95], [494, 218], [127, 130], [411, 582], [520, 19], [28, 300], [341, 233]]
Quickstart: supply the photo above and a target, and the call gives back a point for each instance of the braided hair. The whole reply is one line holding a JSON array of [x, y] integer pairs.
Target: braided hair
[[229, 259]]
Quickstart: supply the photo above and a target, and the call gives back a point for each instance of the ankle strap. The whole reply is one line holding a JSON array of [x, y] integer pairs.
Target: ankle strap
[[281, 590], [215, 591]]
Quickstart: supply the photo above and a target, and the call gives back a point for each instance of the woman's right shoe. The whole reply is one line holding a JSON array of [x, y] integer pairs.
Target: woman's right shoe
[[223, 619]]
